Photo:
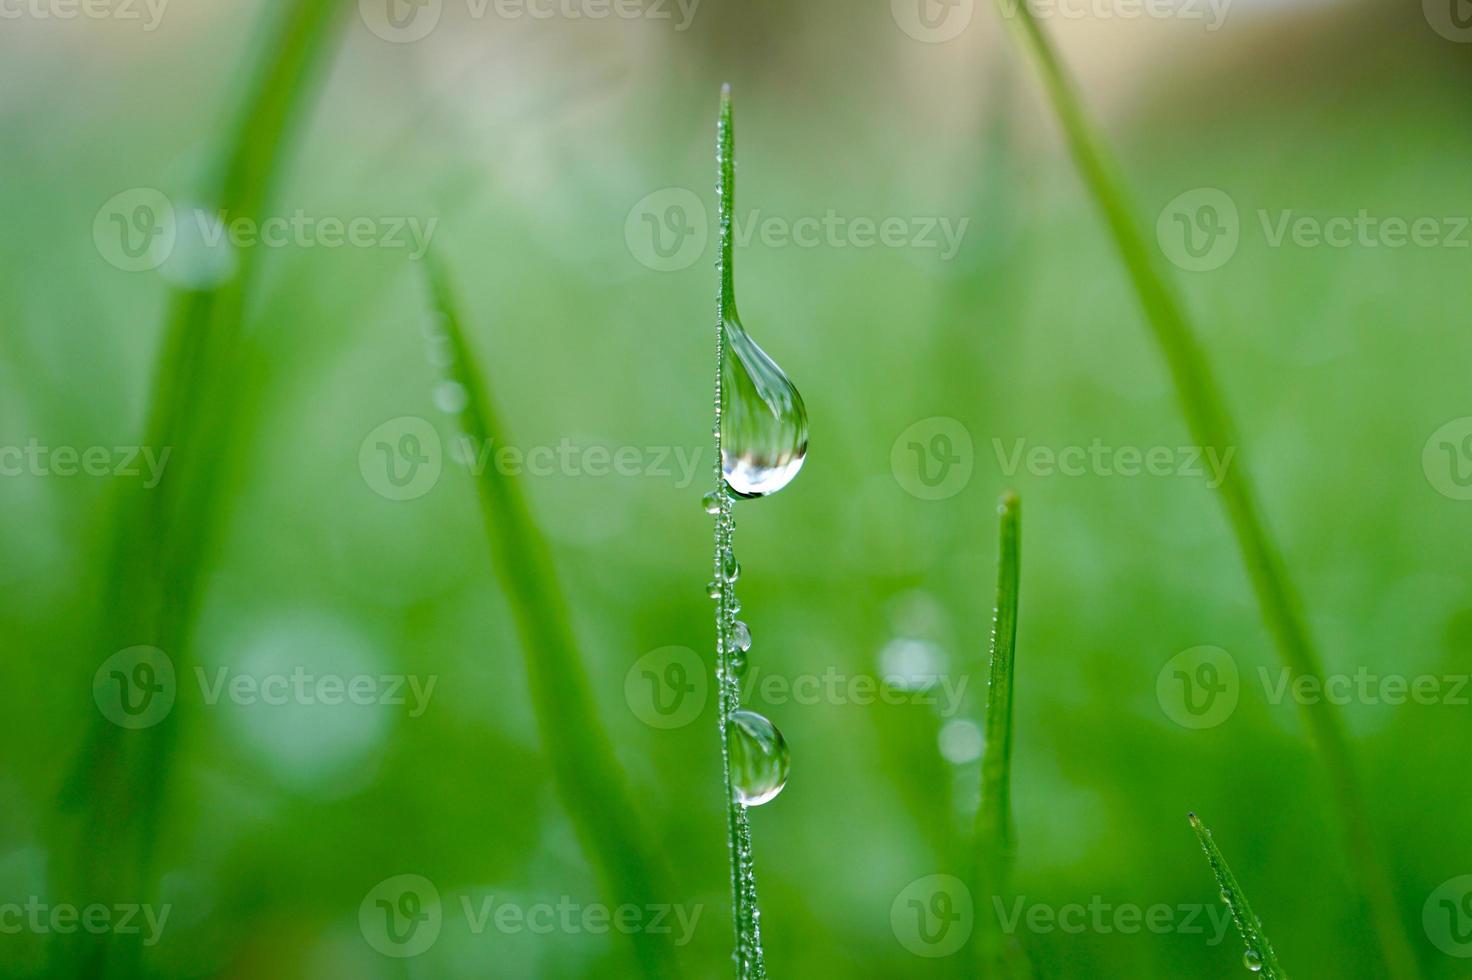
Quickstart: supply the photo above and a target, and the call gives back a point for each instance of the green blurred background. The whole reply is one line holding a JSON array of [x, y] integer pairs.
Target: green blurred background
[[535, 145]]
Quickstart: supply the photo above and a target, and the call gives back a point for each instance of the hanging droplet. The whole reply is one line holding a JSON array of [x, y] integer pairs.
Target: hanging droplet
[[740, 636], [711, 502], [713, 589], [738, 662], [764, 424], [730, 567], [1252, 960], [759, 760]]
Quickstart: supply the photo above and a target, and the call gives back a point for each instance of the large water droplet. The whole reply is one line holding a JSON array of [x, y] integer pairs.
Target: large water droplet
[[764, 424], [711, 503], [740, 636], [759, 760], [1252, 960]]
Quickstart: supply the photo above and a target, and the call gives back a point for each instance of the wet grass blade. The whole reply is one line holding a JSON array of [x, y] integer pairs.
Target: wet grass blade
[[162, 538], [1205, 412], [1259, 955], [588, 777], [995, 845]]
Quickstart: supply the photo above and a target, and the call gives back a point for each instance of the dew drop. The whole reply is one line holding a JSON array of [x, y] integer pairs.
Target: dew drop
[[759, 760], [711, 503], [740, 636], [1252, 960], [450, 397], [730, 567], [764, 424], [713, 589]]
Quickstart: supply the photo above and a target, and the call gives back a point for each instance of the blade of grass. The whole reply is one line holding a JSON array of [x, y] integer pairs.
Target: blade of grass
[[1259, 951], [587, 775], [1206, 415], [750, 957], [995, 845], [162, 538]]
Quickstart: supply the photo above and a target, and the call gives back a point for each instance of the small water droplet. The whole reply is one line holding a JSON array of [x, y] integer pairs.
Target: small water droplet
[[734, 606], [764, 424], [741, 636], [713, 589], [711, 502], [759, 759], [450, 397], [738, 662], [1252, 960], [730, 567]]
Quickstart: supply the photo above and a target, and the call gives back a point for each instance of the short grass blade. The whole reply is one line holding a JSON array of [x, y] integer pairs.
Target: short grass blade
[[996, 953], [1259, 955]]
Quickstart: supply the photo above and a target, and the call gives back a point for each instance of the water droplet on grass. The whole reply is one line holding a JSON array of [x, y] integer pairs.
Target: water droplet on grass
[[764, 424], [741, 636], [759, 759], [1252, 961], [711, 503]]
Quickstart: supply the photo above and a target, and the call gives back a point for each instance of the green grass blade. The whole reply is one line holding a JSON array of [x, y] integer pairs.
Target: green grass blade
[[162, 539], [1247, 922], [995, 845], [588, 777], [1205, 413]]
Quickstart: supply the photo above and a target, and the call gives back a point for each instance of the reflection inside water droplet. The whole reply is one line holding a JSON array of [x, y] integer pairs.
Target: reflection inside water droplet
[[759, 760], [764, 424]]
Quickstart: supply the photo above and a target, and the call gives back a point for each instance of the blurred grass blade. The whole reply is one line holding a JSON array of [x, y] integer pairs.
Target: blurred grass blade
[[998, 954], [1206, 415], [587, 775], [1259, 955], [162, 539]]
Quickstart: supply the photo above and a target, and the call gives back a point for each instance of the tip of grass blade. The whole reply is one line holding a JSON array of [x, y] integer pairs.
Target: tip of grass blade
[[1259, 951]]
